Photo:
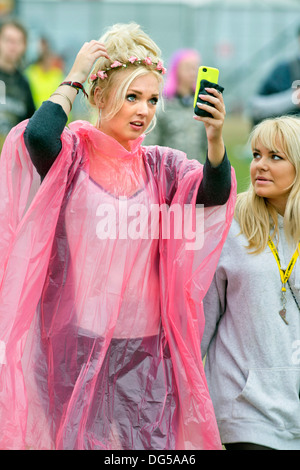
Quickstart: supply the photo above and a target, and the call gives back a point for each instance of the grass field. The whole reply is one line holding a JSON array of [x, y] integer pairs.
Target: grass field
[[236, 134]]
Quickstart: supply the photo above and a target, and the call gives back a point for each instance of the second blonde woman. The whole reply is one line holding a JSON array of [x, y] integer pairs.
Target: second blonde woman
[[252, 308]]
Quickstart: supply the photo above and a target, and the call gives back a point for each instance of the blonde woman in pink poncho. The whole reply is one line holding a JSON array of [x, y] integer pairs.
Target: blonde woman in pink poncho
[[101, 295]]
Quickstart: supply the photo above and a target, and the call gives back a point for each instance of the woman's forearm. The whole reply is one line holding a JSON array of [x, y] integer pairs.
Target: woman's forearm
[[42, 135]]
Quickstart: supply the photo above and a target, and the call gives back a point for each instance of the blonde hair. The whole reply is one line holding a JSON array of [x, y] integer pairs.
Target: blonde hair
[[256, 217], [123, 41]]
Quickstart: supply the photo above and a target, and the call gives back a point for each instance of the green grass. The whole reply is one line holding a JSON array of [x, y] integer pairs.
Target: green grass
[[236, 134]]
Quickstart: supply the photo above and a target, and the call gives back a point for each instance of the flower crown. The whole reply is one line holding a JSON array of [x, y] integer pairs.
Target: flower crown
[[132, 60]]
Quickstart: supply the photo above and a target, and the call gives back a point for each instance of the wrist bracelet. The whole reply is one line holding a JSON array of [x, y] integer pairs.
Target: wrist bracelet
[[65, 96], [76, 85]]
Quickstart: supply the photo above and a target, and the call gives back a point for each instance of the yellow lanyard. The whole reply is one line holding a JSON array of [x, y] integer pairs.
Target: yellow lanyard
[[284, 275]]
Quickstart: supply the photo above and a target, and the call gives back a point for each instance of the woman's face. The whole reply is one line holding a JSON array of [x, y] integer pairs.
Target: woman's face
[[12, 44], [187, 74], [272, 175], [137, 111]]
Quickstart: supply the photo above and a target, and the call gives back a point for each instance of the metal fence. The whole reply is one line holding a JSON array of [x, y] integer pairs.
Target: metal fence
[[244, 39]]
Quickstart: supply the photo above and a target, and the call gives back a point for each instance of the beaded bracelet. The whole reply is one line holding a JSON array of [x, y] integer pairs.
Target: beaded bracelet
[[76, 85]]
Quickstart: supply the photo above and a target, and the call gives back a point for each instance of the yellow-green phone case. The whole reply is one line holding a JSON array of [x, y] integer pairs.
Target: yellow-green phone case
[[205, 73]]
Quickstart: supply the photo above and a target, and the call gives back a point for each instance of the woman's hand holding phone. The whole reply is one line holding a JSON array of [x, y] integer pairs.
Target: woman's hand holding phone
[[214, 112]]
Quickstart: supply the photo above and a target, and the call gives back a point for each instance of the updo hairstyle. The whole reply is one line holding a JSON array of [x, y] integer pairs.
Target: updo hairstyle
[[123, 41]]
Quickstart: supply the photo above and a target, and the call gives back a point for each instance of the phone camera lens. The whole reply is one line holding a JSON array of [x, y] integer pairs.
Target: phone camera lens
[[204, 70]]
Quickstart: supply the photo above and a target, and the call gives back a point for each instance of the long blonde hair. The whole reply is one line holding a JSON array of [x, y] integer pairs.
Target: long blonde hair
[[256, 217], [123, 41]]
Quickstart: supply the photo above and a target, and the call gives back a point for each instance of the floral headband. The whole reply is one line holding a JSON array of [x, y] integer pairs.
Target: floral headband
[[132, 60]]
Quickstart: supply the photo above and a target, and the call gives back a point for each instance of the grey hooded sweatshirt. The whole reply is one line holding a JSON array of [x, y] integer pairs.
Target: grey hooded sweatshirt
[[253, 357]]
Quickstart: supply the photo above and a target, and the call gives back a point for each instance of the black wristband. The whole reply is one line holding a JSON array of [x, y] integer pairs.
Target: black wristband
[[76, 85]]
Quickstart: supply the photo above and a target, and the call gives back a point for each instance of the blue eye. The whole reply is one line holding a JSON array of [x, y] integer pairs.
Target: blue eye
[[154, 101], [131, 97], [275, 157]]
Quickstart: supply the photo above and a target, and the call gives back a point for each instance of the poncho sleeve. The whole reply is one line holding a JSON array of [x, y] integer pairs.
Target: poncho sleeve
[[28, 215], [188, 260]]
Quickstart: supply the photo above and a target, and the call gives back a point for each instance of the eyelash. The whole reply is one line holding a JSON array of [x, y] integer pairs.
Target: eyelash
[[274, 155], [132, 95]]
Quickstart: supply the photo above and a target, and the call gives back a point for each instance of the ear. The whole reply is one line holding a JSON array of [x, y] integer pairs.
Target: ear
[[99, 98]]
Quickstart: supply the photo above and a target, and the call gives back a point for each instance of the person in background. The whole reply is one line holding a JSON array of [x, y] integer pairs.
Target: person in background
[[278, 95], [45, 74], [252, 308], [175, 126], [16, 103]]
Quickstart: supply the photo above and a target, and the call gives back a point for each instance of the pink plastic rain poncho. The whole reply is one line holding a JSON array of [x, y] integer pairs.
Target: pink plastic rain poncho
[[100, 312]]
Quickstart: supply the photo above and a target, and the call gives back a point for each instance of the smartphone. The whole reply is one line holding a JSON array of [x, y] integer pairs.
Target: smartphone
[[210, 74]]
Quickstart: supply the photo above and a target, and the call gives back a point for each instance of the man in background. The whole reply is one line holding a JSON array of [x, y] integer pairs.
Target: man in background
[[279, 93], [45, 74], [16, 103]]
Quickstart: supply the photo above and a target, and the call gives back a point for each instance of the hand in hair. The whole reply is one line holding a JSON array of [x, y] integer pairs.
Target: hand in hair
[[88, 54]]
